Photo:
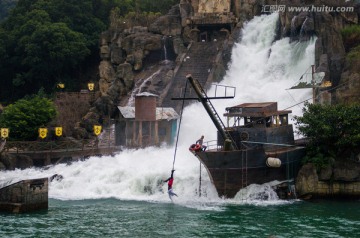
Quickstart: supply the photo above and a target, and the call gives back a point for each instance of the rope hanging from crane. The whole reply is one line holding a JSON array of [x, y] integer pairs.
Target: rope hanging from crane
[[178, 132]]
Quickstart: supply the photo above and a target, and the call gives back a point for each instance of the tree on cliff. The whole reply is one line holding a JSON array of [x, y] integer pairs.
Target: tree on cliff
[[333, 131], [5, 7], [47, 42], [43, 42], [24, 117]]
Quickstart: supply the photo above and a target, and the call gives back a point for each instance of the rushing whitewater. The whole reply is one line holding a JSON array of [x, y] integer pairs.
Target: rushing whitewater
[[261, 70]]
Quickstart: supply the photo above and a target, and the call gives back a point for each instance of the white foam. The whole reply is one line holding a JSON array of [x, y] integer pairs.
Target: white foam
[[261, 70]]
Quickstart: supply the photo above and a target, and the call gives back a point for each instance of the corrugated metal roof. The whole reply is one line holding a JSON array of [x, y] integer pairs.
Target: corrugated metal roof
[[162, 113], [255, 105], [127, 112], [166, 113]]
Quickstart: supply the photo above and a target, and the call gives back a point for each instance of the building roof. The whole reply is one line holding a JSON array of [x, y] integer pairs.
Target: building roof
[[262, 109], [146, 94], [255, 105], [162, 113]]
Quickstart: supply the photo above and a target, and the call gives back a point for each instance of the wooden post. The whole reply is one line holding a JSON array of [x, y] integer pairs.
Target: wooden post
[[156, 133], [134, 133], [150, 135], [140, 133], [313, 82]]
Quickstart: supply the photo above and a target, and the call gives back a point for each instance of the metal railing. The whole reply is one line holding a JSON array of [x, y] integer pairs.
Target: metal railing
[[51, 146]]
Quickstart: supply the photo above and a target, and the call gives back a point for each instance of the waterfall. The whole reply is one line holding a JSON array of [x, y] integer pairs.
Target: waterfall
[[260, 69], [138, 88], [293, 27], [164, 42]]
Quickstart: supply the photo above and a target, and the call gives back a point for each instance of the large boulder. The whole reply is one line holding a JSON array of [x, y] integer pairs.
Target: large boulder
[[168, 25], [348, 171], [125, 74], [107, 74], [342, 179], [349, 90], [306, 180], [138, 45]]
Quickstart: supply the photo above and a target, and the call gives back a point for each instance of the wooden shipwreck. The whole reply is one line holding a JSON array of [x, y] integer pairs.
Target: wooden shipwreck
[[25, 196]]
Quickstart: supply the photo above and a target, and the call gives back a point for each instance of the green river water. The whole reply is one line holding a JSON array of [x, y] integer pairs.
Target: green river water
[[117, 218]]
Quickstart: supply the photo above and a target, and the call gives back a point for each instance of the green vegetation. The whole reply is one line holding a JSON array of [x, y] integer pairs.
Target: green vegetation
[[131, 19], [351, 36], [333, 131], [354, 55], [44, 42], [5, 7], [24, 117]]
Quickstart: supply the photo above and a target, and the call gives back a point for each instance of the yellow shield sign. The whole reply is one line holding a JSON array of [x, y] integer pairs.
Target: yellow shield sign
[[97, 130], [43, 132], [58, 131], [91, 86], [4, 133], [61, 85]]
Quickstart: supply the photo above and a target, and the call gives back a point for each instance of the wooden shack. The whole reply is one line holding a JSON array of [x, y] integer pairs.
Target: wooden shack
[[209, 20], [145, 124]]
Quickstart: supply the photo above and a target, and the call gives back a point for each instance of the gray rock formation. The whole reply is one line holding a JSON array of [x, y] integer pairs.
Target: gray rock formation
[[349, 86], [341, 180], [326, 26]]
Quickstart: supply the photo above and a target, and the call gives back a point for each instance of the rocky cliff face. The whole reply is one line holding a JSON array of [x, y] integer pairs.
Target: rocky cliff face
[[342, 180], [125, 53], [141, 57], [135, 56], [330, 54], [326, 26]]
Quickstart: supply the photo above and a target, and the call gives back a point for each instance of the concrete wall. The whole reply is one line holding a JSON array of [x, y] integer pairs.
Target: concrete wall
[[214, 6], [25, 196]]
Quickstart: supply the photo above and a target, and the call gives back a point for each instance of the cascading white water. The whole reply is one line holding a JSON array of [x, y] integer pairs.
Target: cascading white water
[[139, 88], [261, 70], [164, 41]]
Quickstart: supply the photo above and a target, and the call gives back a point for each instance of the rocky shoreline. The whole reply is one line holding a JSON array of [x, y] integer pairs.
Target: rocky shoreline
[[341, 180]]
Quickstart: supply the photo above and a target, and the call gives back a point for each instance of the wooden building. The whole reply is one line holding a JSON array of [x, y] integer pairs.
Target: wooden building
[[145, 124], [209, 20]]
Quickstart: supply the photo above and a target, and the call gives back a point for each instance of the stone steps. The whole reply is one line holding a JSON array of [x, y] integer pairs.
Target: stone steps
[[198, 62]]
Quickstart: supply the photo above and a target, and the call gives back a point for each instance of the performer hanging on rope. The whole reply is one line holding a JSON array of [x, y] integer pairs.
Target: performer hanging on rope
[[170, 181]]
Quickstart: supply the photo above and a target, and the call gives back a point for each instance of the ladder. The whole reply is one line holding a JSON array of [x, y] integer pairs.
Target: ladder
[[211, 110], [244, 166]]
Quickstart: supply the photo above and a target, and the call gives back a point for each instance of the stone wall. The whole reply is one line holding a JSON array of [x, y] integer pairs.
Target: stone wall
[[342, 180], [215, 6]]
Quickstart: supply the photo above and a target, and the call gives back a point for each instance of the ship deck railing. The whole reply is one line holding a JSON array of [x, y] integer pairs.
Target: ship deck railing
[[41, 146], [212, 145]]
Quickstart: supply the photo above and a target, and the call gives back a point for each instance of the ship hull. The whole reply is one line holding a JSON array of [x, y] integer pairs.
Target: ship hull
[[230, 171]]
